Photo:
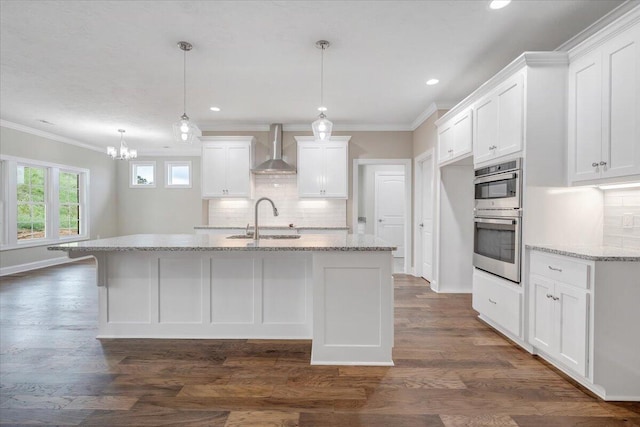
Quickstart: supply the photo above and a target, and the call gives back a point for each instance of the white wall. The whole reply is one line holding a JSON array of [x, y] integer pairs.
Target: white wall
[[455, 261], [103, 216], [159, 210]]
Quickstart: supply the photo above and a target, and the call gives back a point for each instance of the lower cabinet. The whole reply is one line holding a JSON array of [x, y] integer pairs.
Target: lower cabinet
[[558, 321], [583, 317], [499, 301]]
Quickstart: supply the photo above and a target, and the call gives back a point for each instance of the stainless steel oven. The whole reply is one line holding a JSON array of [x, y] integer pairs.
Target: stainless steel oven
[[499, 186], [496, 245]]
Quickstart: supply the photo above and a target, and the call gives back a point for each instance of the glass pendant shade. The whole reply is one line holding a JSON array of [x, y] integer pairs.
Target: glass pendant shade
[[184, 131], [322, 128]]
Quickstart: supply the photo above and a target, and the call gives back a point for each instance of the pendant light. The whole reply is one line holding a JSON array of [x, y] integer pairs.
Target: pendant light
[[184, 130], [322, 127], [124, 153]]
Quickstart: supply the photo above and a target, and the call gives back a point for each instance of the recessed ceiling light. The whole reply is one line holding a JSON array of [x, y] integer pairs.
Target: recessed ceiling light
[[216, 109], [432, 82], [498, 4]]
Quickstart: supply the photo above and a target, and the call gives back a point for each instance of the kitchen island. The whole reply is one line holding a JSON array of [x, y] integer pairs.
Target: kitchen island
[[336, 290]]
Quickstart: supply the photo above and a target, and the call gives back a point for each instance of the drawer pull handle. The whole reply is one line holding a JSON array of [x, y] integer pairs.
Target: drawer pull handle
[[492, 301], [559, 270]]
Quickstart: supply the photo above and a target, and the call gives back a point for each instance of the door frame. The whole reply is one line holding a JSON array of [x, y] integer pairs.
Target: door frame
[[427, 156], [408, 223]]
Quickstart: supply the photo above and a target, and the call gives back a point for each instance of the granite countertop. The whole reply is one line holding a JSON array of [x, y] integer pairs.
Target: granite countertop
[[206, 242], [268, 227], [592, 253]]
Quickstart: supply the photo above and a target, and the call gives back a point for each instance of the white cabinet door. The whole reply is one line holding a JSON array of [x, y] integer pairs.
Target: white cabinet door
[[226, 168], [510, 103], [213, 170], [585, 117], [335, 173], [621, 77], [486, 130], [462, 134], [322, 169], [604, 110], [310, 170], [541, 327], [445, 142], [571, 320], [238, 175]]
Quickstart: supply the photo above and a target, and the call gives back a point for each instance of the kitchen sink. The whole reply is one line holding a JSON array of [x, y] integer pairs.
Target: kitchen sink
[[268, 236]]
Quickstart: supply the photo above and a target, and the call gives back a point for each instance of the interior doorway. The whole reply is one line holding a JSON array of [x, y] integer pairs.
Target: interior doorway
[[382, 205], [424, 216]]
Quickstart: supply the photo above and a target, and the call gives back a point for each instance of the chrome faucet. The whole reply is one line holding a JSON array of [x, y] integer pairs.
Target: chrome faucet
[[256, 234]]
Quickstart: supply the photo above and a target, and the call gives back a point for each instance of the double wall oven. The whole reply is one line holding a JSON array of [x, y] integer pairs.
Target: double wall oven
[[498, 219]]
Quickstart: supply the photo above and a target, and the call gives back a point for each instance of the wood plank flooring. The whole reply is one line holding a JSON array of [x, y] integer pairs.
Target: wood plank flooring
[[451, 370]]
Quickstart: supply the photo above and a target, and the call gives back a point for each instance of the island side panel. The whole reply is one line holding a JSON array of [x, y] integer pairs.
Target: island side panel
[[353, 308], [203, 294]]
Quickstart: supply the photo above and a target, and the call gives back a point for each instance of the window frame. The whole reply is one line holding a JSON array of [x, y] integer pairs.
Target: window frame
[[132, 167], [9, 203], [167, 173]]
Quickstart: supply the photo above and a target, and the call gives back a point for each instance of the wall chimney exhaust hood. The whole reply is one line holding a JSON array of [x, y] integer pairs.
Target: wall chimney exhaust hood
[[275, 165]]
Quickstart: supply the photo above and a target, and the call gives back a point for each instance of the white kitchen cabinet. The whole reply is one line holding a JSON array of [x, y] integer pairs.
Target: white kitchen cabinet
[[604, 110], [322, 168], [226, 166], [455, 138], [559, 319], [583, 315], [499, 120], [499, 302]]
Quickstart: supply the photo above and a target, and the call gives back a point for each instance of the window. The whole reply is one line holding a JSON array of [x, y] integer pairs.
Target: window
[[31, 202], [69, 204], [178, 174], [143, 175], [41, 203]]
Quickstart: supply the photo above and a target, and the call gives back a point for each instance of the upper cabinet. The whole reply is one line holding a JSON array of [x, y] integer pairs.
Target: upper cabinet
[[455, 138], [604, 110], [322, 167], [499, 120], [226, 166]]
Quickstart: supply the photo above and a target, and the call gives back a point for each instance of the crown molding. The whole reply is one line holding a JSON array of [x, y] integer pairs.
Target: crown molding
[[313, 139], [37, 132], [190, 152], [611, 24], [222, 138], [432, 108]]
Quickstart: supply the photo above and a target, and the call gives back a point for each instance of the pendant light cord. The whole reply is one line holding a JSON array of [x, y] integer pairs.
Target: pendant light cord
[[184, 82], [322, 79]]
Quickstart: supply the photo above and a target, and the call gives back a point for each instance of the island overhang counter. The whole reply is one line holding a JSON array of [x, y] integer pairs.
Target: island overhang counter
[[336, 290]]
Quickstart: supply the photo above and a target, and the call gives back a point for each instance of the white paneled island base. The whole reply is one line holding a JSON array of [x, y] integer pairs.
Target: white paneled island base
[[335, 290]]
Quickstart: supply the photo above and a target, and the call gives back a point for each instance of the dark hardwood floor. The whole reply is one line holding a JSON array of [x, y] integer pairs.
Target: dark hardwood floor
[[451, 370]]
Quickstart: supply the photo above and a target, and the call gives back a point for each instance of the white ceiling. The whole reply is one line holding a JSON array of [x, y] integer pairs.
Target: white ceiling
[[91, 67]]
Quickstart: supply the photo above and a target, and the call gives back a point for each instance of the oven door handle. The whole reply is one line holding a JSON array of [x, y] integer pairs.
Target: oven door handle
[[496, 177], [496, 221]]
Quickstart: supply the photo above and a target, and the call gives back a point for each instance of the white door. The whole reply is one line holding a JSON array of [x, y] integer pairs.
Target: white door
[[426, 219], [214, 164], [571, 305], [510, 115], [541, 326], [238, 176], [485, 124], [335, 173], [389, 209], [310, 170]]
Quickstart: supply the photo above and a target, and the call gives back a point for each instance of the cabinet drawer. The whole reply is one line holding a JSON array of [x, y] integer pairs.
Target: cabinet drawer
[[560, 268], [497, 301]]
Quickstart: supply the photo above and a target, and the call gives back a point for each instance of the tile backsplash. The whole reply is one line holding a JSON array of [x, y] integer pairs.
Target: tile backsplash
[[283, 190], [622, 218]]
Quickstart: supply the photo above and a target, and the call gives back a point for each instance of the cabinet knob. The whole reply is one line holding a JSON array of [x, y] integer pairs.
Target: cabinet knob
[[594, 164], [493, 147], [603, 163], [549, 296]]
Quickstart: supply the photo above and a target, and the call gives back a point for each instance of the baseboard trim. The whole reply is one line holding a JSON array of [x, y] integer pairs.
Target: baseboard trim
[[21, 268]]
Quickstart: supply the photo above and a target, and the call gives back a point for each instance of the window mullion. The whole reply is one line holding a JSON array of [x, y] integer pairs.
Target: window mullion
[[52, 205]]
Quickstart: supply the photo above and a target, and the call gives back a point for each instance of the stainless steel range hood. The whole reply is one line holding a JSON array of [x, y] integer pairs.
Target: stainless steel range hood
[[275, 165]]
